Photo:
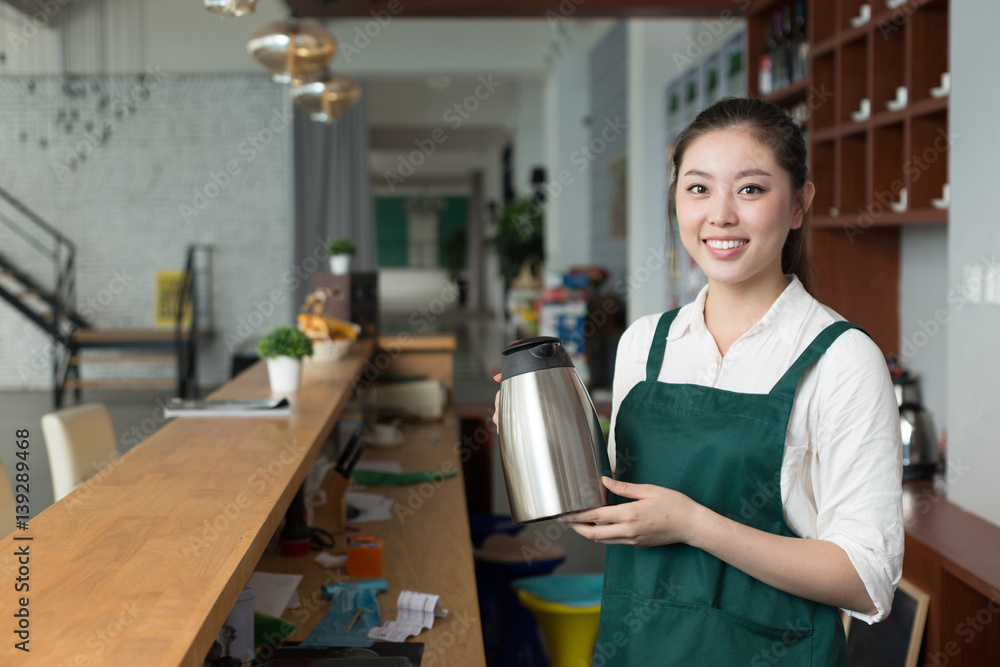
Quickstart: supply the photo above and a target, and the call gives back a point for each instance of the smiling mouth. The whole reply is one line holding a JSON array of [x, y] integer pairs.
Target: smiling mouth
[[725, 245]]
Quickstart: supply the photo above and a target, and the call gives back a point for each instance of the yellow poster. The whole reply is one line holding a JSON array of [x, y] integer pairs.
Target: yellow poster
[[168, 295]]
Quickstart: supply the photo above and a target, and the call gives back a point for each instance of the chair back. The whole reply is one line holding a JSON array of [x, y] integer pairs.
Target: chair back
[[80, 441]]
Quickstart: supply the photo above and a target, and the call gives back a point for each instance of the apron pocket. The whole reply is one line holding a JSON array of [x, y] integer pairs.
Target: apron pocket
[[637, 631]]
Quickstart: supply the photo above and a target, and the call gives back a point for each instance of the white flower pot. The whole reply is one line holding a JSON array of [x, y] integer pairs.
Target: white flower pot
[[284, 374], [340, 264]]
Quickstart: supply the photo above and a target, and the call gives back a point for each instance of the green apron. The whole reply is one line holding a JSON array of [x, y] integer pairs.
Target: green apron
[[678, 605]]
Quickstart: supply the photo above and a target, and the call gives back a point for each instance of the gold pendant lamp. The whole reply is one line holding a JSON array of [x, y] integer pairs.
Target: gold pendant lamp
[[231, 7], [293, 49], [327, 96]]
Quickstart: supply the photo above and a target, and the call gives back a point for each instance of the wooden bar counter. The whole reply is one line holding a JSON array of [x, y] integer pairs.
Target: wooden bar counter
[[142, 564]]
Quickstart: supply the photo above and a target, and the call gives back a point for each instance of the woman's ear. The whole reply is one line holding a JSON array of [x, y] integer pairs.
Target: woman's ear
[[802, 203]]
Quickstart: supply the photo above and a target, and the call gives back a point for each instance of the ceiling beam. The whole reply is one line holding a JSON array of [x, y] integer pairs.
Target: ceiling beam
[[516, 8]]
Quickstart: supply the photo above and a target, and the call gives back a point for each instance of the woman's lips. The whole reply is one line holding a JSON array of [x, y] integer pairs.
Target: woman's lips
[[726, 248]]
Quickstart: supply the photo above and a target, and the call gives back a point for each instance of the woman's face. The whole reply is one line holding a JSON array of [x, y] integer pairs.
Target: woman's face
[[735, 206]]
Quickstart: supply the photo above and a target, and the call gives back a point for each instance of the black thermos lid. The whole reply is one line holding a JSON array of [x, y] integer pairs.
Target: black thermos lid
[[534, 354]]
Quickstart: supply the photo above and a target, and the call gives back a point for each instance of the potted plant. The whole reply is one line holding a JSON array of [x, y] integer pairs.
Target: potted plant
[[453, 259], [283, 350], [519, 237], [340, 252]]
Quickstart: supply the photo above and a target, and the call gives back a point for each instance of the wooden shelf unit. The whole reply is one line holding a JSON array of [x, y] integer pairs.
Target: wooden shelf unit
[[861, 167]]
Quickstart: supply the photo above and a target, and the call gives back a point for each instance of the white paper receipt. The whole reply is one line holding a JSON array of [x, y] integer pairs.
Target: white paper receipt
[[416, 611]]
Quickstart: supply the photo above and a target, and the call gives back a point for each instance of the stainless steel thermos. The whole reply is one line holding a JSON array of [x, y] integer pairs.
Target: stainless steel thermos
[[551, 444]]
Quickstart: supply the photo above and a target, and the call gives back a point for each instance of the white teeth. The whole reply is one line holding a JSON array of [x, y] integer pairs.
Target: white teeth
[[724, 245]]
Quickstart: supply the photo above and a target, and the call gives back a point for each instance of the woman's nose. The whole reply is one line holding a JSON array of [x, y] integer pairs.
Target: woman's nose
[[722, 211]]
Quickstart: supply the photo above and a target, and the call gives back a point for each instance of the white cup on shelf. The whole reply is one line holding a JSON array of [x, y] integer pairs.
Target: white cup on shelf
[[945, 88], [902, 98], [944, 201], [900, 205], [863, 17], [864, 111]]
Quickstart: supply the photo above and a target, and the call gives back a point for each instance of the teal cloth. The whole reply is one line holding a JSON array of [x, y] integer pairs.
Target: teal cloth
[[346, 598], [374, 478], [572, 590]]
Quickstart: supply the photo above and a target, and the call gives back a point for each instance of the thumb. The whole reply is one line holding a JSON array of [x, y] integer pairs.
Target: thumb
[[496, 377], [624, 489]]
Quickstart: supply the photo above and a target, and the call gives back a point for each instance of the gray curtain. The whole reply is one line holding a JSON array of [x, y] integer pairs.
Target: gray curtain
[[332, 188]]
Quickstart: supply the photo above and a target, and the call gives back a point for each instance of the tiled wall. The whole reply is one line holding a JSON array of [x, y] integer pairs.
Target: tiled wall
[[196, 159], [609, 141]]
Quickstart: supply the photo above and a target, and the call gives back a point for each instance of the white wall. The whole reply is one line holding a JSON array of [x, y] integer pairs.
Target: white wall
[[652, 47], [122, 206], [568, 211], [175, 36], [973, 234], [529, 132], [923, 277]]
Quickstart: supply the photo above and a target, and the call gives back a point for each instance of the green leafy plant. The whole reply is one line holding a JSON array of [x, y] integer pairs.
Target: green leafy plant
[[453, 253], [340, 246], [518, 235], [285, 341]]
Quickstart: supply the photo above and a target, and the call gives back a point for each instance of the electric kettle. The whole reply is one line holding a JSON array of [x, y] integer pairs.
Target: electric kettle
[[551, 444], [920, 450]]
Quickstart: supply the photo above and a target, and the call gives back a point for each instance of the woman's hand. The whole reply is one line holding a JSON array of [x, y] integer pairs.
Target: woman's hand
[[657, 516], [496, 405]]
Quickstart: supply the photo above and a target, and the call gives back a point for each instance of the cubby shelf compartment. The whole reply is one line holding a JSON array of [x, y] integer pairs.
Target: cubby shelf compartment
[[860, 164], [927, 164], [853, 80], [928, 26]]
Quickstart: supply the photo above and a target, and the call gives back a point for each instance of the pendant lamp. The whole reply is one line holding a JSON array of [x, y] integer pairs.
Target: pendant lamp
[[231, 7], [327, 96], [293, 49]]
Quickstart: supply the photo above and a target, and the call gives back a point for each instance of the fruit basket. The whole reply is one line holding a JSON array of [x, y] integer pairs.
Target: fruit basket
[[331, 337]]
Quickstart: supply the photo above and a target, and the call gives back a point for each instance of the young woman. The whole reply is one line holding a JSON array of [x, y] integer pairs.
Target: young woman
[[742, 423]]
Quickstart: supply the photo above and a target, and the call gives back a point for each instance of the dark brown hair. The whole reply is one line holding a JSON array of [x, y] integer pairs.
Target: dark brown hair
[[774, 129]]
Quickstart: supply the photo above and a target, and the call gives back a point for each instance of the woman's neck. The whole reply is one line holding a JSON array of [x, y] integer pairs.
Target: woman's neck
[[731, 310]]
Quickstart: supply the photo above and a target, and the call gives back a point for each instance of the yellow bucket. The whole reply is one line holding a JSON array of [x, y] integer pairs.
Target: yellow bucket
[[569, 631]]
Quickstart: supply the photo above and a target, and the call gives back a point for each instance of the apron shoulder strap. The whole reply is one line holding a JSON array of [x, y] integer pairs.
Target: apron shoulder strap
[[655, 358], [789, 382]]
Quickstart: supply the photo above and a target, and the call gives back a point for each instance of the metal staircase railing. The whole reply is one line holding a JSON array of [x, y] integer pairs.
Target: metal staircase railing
[[53, 308], [62, 318]]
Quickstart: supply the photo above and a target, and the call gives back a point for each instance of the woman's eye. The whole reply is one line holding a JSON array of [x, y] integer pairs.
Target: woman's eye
[[751, 190], [697, 189]]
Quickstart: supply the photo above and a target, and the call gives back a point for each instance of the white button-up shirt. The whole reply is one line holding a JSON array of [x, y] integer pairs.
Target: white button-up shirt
[[841, 471]]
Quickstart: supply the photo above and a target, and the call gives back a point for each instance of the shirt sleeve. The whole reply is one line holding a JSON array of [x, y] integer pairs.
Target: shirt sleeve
[[857, 474], [630, 368]]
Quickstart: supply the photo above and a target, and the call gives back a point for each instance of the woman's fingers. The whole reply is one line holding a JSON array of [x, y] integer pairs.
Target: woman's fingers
[[496, 406]]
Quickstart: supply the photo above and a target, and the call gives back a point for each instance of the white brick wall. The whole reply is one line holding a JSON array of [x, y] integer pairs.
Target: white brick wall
[[122, 205]]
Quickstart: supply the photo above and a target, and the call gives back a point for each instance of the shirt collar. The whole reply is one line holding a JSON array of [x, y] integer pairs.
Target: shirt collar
[[784, 318]]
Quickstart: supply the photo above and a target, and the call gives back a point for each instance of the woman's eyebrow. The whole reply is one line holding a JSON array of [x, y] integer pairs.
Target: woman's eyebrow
[[752, 172], [696, 172]]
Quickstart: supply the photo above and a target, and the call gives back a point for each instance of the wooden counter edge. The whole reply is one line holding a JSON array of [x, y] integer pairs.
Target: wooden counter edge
[[966, 543]]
